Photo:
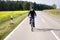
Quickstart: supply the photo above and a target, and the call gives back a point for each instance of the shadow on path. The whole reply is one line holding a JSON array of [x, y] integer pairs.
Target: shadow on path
[[45, 29]]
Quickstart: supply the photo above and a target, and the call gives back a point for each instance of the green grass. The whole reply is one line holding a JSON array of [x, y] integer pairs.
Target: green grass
[[53, 12], [4, 16], [5, 26]]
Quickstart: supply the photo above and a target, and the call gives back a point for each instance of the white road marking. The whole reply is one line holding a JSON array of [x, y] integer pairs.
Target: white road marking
[[55, 35], [15, 29]]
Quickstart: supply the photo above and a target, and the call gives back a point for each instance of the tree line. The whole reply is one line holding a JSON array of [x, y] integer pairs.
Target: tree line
[[22, 5]]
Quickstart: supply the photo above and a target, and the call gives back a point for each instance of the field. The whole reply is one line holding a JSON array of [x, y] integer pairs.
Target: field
[[5, 26], [55, 13], [4, 16]]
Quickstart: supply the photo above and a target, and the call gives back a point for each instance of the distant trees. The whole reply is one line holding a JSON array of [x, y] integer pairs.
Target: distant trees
[[54, 6], [42, 6], [22, 5]]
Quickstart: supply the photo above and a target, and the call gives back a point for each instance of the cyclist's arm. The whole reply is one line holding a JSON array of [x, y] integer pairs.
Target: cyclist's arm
[[28, 13]]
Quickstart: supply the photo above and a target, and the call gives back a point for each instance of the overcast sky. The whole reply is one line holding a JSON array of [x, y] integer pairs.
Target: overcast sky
[[48, 2]]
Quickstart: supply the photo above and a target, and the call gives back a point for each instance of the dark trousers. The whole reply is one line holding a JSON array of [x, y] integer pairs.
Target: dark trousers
[[33, 21]]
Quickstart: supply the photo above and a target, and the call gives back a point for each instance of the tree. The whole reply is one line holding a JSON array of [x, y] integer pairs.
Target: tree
[[54, 6], [22, 5]]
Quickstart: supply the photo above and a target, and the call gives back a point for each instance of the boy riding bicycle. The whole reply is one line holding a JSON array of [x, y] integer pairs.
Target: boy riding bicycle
[[32, 15]]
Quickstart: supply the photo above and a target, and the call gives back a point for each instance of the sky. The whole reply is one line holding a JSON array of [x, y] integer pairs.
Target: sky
[[48, 2]]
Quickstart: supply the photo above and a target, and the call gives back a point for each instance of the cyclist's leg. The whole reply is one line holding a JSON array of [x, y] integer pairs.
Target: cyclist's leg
[[33, 22]]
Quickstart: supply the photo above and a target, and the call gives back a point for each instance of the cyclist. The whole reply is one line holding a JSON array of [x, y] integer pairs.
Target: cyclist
[[32, 15]]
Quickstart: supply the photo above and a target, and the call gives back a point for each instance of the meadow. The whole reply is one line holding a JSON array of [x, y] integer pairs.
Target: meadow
[[4, 16], [5, 26], [55, 13]]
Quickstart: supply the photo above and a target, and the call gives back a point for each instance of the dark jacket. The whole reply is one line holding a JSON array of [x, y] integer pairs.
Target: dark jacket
[[32, 13]]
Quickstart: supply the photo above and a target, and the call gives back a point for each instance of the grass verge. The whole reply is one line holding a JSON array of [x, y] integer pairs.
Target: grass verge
[[6, 27], [55, 13]]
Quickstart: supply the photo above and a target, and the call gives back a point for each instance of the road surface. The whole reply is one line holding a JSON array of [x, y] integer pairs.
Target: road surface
[[47, 28]]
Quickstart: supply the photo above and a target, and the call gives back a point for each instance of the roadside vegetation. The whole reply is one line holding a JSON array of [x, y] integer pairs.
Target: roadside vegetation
[[5, 26], [55, 13]]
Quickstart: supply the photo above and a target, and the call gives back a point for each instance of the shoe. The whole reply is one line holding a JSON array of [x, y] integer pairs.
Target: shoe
[[33, 26]]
